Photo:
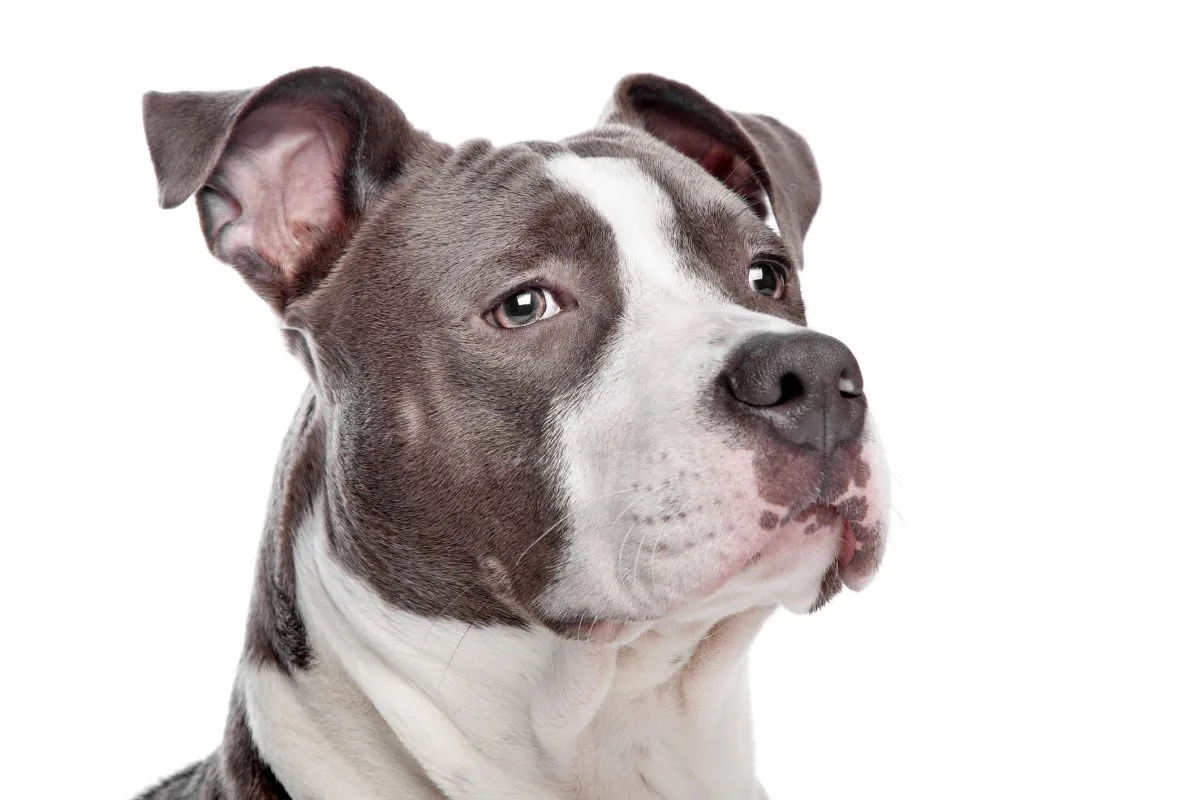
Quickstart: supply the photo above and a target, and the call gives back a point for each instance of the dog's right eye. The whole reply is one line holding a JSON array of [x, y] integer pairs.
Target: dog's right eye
[[524, 307]]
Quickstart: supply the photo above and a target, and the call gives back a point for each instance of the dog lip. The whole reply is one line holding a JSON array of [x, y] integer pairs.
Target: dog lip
[[859, 547], [862, 550], [847, 567], [850, 545], [785, 531]]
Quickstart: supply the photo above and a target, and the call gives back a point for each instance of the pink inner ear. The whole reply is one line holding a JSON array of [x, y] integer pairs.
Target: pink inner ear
[[279, 185], [719, 159]]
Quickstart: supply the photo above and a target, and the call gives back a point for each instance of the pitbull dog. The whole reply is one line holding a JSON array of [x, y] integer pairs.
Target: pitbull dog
[[568, 442]]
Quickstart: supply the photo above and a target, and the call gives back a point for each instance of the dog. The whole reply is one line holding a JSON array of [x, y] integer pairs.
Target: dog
[[568, 442]]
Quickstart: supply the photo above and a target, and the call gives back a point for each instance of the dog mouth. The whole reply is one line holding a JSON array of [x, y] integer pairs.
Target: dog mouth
[[799, 556], [836, 576], [858, 546]]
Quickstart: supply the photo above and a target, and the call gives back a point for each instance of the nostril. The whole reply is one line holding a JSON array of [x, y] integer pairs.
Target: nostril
[[790, 388], [848, 388]]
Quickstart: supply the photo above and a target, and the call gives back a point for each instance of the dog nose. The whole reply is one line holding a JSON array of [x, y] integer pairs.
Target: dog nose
[[805, 386]]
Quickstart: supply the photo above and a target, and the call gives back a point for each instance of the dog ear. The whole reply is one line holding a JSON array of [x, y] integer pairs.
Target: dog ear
[[282, 174], [759, 158]]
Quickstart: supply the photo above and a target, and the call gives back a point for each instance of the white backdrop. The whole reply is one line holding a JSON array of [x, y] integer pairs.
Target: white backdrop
[[1007, 241]]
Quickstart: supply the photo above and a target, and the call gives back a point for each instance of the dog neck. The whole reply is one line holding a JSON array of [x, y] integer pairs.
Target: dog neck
[[391, 701]]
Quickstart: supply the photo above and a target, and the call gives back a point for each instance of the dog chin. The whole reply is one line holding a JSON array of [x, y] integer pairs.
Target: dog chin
[[802, 594], [805, 561], [801, 561], [806, 603]]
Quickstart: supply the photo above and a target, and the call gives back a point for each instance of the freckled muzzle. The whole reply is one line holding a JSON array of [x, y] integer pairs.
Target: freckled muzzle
[[800, 396], [856, 527]]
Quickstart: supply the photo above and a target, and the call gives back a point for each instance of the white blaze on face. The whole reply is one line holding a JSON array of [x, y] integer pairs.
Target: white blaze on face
[[637, 210], [659, 499], [771, 222]]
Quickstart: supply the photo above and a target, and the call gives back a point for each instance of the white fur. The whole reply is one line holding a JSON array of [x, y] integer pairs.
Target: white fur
[[394, 700], [676, 335], [498, 713], [770, 221], [323, 738]]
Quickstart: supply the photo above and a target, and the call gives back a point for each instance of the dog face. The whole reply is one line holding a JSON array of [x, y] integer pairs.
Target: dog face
[[569, 383]]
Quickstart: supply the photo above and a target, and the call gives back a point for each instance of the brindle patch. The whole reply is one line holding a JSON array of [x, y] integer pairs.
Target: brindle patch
[[817, 517]]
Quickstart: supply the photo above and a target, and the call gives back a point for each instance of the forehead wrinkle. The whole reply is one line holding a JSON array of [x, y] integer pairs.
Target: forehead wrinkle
[[556, 233], [514, 216]]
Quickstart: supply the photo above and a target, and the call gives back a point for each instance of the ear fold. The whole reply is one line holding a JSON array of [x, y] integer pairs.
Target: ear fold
[[282, 174], [757, 157]]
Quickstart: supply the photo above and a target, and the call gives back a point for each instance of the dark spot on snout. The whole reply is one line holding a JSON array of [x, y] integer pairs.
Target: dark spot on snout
[[845, 468], [769, 521], [853, 509]]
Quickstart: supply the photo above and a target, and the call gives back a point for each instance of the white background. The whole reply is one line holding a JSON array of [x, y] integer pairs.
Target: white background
[[1008, 240]]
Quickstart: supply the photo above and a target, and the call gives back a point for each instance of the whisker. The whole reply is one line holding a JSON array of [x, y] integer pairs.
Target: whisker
[[653, 553], [454, 652], [621, 550], [637, 557], [734, 169], [478, 581], [474, 584]]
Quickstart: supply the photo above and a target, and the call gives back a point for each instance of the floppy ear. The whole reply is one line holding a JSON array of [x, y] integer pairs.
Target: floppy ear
[[282, 174], [759, 158]]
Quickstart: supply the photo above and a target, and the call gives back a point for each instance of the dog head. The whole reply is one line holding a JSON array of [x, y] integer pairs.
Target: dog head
[[568, 384]]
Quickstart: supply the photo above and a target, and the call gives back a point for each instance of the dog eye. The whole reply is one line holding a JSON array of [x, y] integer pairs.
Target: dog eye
[[768, 278], [524, 308]]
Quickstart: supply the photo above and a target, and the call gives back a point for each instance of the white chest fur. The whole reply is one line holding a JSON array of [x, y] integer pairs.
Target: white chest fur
[[395, 705]]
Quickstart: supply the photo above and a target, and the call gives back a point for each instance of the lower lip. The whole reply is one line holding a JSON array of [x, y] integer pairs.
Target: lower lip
[[786, 546], [849, 545], [790, 535]]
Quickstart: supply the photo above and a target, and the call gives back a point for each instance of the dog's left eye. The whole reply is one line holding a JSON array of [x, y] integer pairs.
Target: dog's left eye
[[524, 307], [768, 278]]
